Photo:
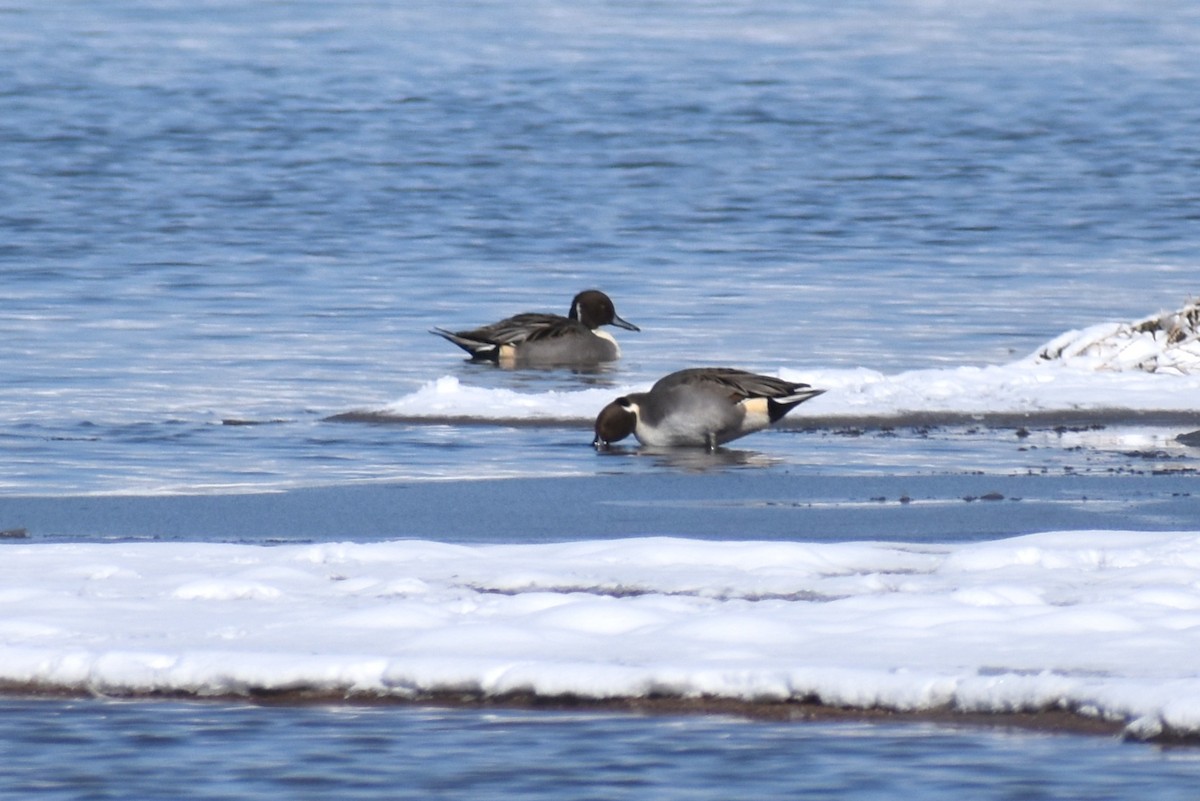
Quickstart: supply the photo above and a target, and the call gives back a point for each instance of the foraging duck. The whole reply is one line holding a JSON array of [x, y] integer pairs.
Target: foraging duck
[[704, 406], [538, 340]]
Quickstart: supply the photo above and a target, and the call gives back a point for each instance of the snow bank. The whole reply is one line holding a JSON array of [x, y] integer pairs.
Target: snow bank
[[1101, 623], [1149, 366]]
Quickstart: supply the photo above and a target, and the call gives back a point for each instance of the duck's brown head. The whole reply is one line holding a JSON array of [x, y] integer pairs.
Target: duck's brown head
[[615, 422]]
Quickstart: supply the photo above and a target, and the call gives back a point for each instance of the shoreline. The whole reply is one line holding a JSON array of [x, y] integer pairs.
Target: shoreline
[[1045, 721]]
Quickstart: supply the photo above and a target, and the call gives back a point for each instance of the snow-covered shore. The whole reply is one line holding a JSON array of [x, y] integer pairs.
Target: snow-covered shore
[[1102, 624]]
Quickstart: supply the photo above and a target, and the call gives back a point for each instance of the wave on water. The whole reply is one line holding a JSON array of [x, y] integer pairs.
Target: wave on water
[[1106, 373]]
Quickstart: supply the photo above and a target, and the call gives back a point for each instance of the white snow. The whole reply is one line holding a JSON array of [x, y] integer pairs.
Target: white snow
[[1106, 623]]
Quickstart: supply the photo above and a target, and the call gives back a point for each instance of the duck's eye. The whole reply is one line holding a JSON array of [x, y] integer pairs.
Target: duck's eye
[[625, 403]]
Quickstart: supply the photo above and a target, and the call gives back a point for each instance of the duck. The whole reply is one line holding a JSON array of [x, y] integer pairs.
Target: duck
[[700, 406], [536, 339]]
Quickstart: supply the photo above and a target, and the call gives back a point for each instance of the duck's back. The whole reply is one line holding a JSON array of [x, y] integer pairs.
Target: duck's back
[[520, 328]]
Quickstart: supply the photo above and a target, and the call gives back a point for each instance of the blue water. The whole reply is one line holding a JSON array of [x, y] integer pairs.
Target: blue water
[[254, 211], [99, 749], [257, 210]]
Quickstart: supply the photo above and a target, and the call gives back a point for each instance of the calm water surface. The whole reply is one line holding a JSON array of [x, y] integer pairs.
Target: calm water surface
[[99, 749], [256, 210]]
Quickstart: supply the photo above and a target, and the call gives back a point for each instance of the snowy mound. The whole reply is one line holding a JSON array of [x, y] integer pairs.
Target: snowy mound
[[1148, 366], [1101, 624], [1168, 342]]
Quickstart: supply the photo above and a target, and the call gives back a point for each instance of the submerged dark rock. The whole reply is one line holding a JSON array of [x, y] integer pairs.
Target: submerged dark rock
[[1192, 438]]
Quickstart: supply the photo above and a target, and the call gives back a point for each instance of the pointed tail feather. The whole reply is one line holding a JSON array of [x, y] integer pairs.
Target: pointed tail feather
[[778, 407], [477, 349]]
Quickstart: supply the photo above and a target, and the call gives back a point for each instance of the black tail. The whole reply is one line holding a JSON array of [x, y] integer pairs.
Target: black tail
[[778, 407], [480, 351]]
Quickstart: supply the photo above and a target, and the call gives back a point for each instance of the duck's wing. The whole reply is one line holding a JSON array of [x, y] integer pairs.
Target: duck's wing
[[741, 384], [519, 328], [771, 397], [551, 326]]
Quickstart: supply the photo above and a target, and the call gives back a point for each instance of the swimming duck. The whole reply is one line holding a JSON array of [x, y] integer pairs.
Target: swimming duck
[[534, 339], [704, 406]]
